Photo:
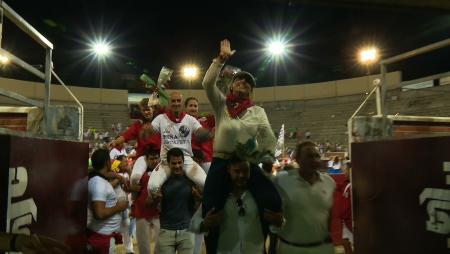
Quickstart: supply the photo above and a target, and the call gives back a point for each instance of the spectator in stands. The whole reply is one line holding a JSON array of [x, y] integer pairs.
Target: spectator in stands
[[208, 122], [147, 217], [241, 222], [336, 166], [136, 132], [179, 197], [242, 129], [327, 146], [307, 201], [321, 147], [307, 135], [104, 208]]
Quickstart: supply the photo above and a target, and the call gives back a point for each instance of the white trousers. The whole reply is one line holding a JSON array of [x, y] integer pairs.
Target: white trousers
[[205, 166], [147, 231], [125, 231], [191, 168]]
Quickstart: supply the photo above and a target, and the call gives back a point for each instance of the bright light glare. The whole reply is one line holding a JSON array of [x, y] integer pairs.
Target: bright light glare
[[276, 48], [368, 55], [190, 72], [101, 49], [4, 59]]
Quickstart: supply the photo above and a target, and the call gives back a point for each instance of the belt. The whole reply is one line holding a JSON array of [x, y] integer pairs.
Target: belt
[[306, 245]]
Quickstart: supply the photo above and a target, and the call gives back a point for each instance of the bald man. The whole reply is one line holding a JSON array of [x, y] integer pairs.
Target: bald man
[[176, 129]]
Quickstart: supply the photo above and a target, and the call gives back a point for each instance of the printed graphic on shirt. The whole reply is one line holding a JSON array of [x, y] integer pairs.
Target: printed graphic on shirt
[[172, 136], [184, 131], [176, 134]]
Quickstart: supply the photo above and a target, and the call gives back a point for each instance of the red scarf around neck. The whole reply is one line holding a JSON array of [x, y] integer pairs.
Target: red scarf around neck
[[119, 147], [173, 118], [236, 105]]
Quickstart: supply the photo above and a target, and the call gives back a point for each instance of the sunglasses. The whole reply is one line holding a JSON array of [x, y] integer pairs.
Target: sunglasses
[[240, 205]]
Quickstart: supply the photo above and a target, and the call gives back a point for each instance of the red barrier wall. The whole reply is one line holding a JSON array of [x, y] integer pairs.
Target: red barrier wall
[[44, 188], [401, 196]]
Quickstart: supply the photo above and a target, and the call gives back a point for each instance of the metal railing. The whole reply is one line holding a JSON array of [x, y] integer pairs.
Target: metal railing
[[80, 135], [380, 86], [7, 11], [381, 94]]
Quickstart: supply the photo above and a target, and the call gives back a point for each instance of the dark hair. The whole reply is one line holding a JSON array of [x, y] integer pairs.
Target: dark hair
[[198, 154], [99, 158], [348, 164], [151, 151], [246, 76], [143, 103], [236, 160], [120, 157], [174, 152], [300, 146], [189, 99]]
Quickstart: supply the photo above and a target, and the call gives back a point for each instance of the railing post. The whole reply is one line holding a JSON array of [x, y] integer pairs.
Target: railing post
[[48, 79]]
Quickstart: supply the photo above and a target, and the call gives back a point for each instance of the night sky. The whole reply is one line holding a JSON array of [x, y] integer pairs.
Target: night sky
[[323, 39]]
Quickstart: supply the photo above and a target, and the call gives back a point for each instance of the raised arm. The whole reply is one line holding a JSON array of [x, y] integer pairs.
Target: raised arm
[[215, 96]]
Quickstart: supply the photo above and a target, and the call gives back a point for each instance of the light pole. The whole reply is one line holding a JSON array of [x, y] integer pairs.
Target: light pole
[[190, 73], [276, 49], [367, 57], [101, 51]]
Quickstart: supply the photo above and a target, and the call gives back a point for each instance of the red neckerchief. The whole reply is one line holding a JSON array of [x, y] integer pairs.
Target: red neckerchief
[[119, 147], [236, 105], [173, 118]]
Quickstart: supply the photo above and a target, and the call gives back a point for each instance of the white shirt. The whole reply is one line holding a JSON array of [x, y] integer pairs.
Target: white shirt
[[102, 190], [238, 234], [176, 134], [306, 207], [233, 131], [139, 168], [114, 153]]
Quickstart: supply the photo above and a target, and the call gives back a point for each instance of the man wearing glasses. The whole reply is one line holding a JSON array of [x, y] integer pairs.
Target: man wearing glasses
[[242, 225]]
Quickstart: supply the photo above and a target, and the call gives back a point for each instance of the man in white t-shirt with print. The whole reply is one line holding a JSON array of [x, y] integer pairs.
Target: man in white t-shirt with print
[[104, 209], [176, 129]]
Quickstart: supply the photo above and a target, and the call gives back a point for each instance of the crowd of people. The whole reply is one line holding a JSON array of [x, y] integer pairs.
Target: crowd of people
[[209, 178]]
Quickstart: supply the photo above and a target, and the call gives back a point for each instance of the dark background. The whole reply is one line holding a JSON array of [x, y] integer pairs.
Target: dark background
[[324, 37]]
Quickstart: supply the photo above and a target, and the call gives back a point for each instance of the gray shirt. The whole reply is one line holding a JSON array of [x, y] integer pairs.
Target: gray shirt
[[177, 204]]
